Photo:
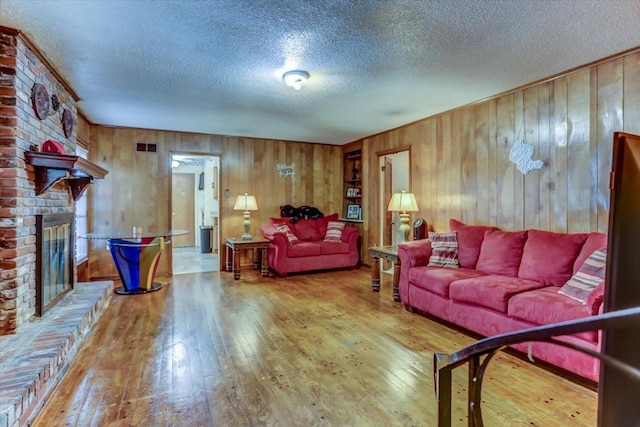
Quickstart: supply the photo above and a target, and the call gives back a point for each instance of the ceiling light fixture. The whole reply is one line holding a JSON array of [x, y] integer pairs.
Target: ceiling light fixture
[[295, 78]]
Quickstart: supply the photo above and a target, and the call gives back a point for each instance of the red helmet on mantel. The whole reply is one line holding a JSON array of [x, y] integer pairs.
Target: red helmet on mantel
[[53, 146]]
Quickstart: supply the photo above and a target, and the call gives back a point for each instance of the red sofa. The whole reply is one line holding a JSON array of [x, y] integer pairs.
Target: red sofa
[[508, 281], [310, 252]]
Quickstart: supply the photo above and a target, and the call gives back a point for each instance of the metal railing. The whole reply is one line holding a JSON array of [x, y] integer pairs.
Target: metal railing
[[479, 354]]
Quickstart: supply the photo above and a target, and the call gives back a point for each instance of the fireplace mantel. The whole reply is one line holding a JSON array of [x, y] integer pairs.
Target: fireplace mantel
[[52, 167]]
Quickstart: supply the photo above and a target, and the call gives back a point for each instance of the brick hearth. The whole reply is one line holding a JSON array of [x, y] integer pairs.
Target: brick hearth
[[33, 362]]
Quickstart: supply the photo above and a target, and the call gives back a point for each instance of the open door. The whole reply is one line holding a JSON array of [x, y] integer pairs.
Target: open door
[[183, 208], [617, 393]]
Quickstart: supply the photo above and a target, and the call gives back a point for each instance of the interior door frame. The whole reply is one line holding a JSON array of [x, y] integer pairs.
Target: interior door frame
[[219, 186]]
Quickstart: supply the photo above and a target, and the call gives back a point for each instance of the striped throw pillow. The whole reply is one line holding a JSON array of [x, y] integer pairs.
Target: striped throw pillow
[[334, 231], [284, 228], [444, 250], [590, 275]]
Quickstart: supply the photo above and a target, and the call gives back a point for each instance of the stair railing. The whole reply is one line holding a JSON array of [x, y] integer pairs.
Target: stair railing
[[444, 364]]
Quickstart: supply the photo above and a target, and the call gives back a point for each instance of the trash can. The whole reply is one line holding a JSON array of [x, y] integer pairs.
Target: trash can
[[205, 239]]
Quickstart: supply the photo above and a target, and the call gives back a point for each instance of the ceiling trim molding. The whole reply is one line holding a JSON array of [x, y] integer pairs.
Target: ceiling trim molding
[[595, 63], [27, 41]]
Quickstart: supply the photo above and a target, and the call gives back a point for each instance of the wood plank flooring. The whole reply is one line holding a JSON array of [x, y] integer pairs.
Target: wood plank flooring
[[306, 350]]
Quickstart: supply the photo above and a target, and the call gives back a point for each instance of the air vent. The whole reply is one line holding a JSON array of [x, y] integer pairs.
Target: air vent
[[151, 148]]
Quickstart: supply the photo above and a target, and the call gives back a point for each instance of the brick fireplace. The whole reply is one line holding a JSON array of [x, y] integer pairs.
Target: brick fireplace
[[35, 352], [20, 131]]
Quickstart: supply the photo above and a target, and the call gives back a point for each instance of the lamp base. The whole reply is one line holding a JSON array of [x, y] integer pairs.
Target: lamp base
[[404, 226], [246, 224]]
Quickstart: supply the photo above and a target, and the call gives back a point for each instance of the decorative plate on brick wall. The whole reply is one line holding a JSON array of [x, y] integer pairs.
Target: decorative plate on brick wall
[[67, 122], [40, 101]]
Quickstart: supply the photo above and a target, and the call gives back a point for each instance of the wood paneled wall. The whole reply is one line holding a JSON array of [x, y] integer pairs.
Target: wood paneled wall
[[460, 164], [137, 189]]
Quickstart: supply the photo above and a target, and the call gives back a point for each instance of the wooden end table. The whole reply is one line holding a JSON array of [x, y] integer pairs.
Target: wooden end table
[[389, 253], [260, 259]]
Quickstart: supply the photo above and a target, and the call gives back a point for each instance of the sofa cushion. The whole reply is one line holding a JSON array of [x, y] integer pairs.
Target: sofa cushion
[[275, 221], [548, 257], [303, 249], [323, 222], [307, 230], [545, 306], [590, 276], [330, 248], [594, 241], [470, 239], [284, 228], [437, 280], [334, 231], [501, 252], [491, 291], [444, 250]]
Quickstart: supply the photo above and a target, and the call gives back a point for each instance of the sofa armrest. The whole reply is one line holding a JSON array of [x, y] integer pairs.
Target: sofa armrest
[[411, 254], [349, 233], [414, 253], [275, 237]]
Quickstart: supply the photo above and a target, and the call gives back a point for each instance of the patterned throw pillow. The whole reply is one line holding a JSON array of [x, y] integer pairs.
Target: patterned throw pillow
[[590, 275], [444, 250], [334, 231], [284, 228]]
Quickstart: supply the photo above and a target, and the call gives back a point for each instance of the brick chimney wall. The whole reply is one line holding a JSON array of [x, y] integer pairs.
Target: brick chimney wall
[[20, 130]]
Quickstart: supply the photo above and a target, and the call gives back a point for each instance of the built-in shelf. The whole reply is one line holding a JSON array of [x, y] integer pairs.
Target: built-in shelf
[[355, 221], [52, 167]]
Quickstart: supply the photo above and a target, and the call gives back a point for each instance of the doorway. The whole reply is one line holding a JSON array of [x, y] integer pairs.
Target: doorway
[[394, 177], [195, 207]]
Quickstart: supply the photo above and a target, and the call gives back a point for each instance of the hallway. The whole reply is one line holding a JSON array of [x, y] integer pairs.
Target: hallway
[[191, 260]]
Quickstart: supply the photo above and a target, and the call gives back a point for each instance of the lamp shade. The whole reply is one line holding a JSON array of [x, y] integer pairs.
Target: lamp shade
[[245, 202], [403, 202]]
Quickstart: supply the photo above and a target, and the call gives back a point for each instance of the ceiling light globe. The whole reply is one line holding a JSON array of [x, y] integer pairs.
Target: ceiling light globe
[[295, 78]]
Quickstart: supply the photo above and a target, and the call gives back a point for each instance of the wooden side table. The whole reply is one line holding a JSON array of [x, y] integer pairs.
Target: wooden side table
[[389, 253], [260, 260]]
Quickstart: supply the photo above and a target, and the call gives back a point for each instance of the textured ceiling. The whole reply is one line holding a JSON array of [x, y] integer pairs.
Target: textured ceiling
[[216, 66]]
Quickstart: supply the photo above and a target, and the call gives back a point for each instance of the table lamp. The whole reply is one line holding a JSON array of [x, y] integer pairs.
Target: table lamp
[[402, 203], [246, 203]]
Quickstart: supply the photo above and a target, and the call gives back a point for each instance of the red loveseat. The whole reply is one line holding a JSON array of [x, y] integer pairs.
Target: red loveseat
[[507, 281], [304, 247]]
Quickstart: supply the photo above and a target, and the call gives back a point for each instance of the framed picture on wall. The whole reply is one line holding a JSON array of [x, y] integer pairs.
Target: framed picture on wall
[[353, 211]]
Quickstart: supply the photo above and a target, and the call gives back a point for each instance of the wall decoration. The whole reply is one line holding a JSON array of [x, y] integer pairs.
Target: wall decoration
[[40, 101], [354, 212], [521, 155], [67, 122], [285, 170]]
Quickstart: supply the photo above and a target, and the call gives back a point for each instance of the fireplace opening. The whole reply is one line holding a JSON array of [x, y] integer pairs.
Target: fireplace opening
[[54, 258]]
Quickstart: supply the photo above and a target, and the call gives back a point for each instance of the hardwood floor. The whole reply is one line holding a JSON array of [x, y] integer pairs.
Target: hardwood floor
[[305, 350]]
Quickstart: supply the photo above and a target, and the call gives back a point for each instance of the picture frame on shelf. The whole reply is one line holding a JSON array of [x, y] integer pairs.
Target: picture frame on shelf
[[354, 211], [351, 192], [357, 192]]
